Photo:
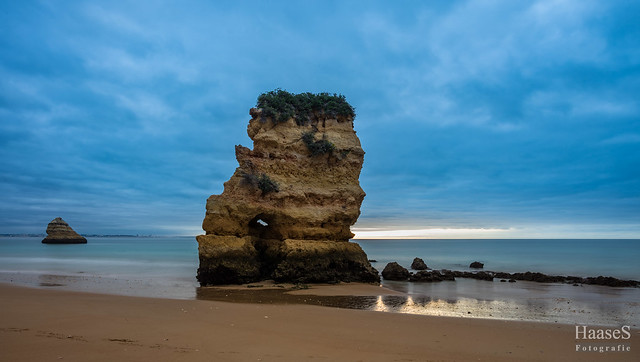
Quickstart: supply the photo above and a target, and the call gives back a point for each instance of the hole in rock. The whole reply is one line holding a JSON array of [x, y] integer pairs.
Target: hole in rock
[[265, 230], [262, 227]]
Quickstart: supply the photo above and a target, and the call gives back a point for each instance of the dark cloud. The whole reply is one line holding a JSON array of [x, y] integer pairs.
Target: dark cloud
[[507, 116]]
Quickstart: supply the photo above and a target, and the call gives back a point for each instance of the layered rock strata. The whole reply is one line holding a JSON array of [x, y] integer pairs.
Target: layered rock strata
[[59, 232], [286, 212]]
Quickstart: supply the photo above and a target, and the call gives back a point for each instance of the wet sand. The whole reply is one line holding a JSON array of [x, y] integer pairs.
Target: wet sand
[[464, 298], [48, 325]]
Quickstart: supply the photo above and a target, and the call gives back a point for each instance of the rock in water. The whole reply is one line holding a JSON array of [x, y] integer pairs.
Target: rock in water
[[418, 264], [395, 271], [476, 265], [59, 232], [286, 212]]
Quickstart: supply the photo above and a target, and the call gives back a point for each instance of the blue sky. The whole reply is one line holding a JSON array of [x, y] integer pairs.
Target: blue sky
[[478, 118]]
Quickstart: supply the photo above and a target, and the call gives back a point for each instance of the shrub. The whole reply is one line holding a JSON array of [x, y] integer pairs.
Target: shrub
[[262, 181], [319, 147], [266, 184], [280, 105]]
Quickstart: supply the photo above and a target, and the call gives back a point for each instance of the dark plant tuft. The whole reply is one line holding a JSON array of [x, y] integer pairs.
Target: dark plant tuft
[[280, 105]]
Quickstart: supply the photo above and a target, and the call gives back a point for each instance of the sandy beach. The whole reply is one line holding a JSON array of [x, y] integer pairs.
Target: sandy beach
[[52, 325]]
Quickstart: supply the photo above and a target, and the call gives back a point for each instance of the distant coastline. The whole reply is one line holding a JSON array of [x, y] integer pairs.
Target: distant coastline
[[85, 235]]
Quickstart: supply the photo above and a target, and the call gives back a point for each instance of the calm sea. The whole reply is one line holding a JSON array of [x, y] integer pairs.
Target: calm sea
[[166, 267], [616, 258]]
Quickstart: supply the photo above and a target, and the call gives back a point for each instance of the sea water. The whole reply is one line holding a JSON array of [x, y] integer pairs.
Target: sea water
[[585, 258], [139, 266], [166, 267]]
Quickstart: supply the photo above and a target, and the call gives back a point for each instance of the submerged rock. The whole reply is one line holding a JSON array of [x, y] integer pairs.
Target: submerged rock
[[59, 232], [481, 275], [418, 264], [286, 212], [432, 276], [395, 271]]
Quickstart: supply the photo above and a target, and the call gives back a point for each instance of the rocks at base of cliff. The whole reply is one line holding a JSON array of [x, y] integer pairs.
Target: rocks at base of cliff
[[395, 271], [476, 265], [307, 261], [233, 260], [59, 232], [418, 264]]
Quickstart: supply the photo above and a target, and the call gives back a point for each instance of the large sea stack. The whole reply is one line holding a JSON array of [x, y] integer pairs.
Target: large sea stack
[[59, 232], [286, 212]]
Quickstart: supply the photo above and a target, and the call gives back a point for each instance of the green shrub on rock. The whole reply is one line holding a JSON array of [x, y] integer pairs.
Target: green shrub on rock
[[262, 181], [280, 105], [319, 147]]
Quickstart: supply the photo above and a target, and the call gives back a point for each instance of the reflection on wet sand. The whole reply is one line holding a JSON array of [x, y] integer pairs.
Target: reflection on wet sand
[[559, 310]]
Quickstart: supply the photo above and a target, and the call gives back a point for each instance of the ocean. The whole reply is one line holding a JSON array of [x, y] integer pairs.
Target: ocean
[[166, 267]]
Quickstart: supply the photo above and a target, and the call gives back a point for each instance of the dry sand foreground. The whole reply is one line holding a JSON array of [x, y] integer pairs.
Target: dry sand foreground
[[50, 325]]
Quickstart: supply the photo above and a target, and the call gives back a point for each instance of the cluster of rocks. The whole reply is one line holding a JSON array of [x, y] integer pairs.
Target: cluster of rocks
[[59, 232], [394, 271], [544, 278], [286, 212]]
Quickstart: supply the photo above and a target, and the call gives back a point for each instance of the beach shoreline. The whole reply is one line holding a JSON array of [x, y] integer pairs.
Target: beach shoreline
[[166, 268], [47, 324], [464, 298]]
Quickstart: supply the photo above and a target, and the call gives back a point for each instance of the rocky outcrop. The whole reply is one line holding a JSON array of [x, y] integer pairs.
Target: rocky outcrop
[[488, 276], [432, 276], [286, 212], [418, 264], [395, 271], [476, 265], [59, 232]]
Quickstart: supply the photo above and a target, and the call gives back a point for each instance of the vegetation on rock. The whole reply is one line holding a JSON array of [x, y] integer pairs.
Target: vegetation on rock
[[317, 147], [262, 181], [280, 105]]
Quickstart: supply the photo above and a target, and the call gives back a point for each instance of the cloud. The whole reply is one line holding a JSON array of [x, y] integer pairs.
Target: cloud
[[474, 114]]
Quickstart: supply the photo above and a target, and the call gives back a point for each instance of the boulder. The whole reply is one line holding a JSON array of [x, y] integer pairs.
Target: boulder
[[286, 212], [418, 264], [59, 232], [395, 271], [476, 265]]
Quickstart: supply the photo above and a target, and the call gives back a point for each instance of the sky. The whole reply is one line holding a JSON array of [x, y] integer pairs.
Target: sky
[[479, 119]]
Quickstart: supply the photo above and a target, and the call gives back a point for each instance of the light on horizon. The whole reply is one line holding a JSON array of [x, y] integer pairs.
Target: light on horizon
[[431, 233]]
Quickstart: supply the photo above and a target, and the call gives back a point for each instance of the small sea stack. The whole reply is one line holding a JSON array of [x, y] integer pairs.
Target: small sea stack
[[59, 232], [419, 264]]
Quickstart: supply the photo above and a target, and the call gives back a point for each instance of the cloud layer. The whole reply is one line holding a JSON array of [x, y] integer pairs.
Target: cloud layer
[[121, 117]]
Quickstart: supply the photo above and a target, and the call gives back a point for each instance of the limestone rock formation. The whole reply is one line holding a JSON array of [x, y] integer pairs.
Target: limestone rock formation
[[286, 212], [59, 232]]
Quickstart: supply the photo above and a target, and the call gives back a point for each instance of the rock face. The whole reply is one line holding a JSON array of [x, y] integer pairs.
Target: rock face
[[286, 212], [418, 264], [59, 232], [395, 271]]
